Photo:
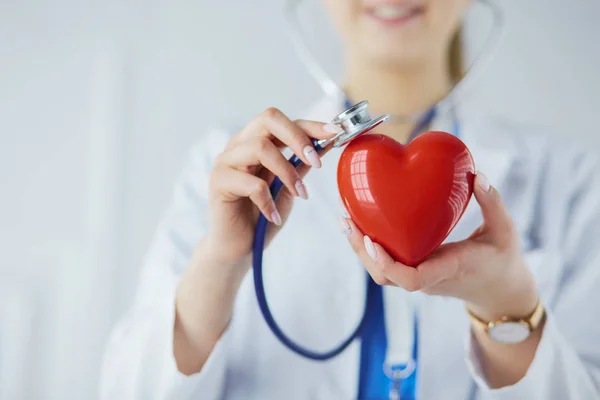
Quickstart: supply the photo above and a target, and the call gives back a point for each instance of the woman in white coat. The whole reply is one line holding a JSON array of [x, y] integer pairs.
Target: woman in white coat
[[524, 250]]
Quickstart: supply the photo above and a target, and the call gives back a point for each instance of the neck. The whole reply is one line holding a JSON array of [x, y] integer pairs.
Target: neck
[[401, 91]]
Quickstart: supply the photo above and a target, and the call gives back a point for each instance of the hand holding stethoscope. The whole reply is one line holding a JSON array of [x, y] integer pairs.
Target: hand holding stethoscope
[[238, 195], [242, 173], [239, 187]]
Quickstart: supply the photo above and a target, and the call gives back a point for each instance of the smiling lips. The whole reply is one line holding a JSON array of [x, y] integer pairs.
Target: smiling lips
[[394, 13]]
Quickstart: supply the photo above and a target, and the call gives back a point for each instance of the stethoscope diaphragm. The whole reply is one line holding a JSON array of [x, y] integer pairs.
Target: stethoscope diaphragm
[[354, 121]]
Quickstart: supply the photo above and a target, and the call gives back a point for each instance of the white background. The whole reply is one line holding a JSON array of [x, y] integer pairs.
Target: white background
[[99, 102]]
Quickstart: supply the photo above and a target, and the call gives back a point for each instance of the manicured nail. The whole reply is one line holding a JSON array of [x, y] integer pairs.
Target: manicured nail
[[370, 247], [312, 156], [483, 181], [332, 128], [301, 189], [276, 218], [345, 226]]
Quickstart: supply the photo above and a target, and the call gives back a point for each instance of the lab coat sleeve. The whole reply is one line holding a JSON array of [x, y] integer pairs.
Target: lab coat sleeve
[[139, 362], [567, 360]]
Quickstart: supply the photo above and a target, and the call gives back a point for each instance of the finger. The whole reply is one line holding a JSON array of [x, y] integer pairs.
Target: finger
[[318, 130], [284, 199], [357, 242], [295, 135], [498, 222], [262, 151], [232, 184], [399, 274], [443, 264], [303, 169], [380, 265]]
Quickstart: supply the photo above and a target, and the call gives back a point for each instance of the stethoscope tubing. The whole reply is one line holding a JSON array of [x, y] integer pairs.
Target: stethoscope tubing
[[260, 235]]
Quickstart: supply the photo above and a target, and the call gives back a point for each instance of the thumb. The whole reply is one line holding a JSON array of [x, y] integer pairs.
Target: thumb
[[497, 220]]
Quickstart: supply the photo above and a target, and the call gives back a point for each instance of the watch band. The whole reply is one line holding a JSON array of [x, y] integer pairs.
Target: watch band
[[532, 321]]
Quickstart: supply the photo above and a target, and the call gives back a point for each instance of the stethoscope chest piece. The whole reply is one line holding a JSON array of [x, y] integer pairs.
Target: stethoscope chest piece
[[354, 121]]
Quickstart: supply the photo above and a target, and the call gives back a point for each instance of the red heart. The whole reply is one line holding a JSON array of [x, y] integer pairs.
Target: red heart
[[407, 198]]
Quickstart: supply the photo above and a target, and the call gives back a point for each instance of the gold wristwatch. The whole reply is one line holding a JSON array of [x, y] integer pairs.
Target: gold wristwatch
[[510, 330]]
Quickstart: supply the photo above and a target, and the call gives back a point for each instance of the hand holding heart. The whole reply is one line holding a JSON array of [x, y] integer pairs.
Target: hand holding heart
[[486, 270]]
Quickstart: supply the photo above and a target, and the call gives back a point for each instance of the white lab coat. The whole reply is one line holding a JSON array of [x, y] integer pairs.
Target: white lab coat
[[316, 288]]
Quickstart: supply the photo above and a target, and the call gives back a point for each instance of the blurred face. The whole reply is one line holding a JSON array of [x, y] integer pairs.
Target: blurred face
[[397, 31]]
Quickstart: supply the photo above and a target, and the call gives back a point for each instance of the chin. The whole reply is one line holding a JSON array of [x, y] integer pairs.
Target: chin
[[393, 55]]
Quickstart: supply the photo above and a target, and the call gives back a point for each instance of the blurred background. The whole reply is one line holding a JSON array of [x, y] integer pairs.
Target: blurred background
[[100, 101]]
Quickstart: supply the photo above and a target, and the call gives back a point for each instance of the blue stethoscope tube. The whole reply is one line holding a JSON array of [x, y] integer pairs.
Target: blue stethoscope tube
[[257, 257], [259, 244]]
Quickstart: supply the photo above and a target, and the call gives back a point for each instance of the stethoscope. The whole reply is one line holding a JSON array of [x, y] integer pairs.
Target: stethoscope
[[354, 121]]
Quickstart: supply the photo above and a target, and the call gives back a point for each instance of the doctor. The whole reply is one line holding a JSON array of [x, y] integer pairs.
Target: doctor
[[525, 250]]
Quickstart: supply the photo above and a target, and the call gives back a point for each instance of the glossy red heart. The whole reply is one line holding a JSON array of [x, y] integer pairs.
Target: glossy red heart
[[407, 198]]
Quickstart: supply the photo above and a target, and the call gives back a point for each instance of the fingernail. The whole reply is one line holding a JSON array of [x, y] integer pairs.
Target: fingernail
[[483, 181], [343, 209], [301, 189], [332, 128], [276, 218], [345, 226], [370, 247], [312, 156]]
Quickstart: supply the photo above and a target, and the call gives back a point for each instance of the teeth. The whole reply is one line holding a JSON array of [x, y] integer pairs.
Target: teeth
[[392, 12]]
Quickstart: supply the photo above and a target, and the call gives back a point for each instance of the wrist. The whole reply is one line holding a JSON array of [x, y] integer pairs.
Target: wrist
[[207, 291], [514, 296], [208, 258]]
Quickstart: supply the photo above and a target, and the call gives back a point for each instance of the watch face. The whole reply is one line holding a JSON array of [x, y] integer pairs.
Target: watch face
[[509, 332]]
